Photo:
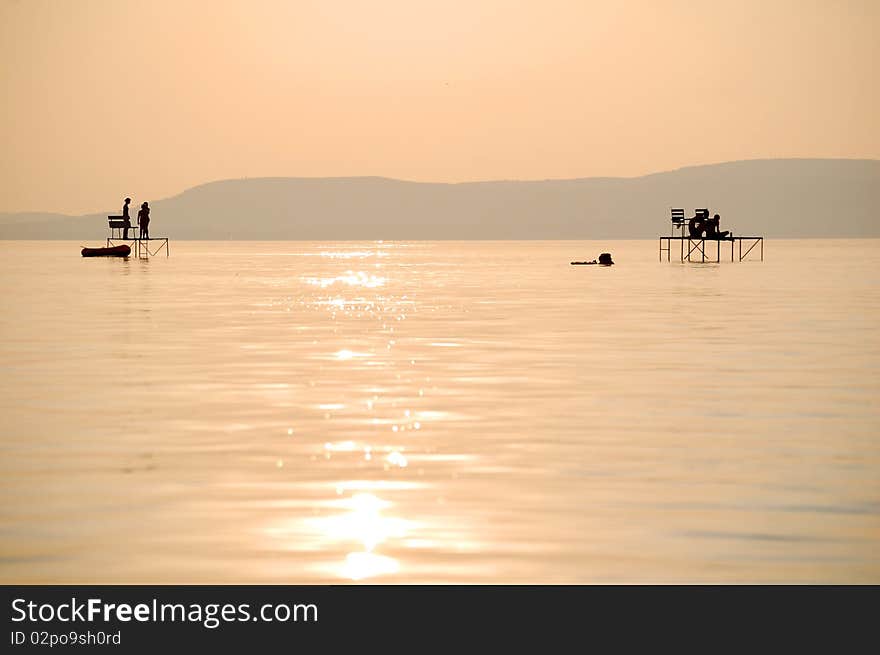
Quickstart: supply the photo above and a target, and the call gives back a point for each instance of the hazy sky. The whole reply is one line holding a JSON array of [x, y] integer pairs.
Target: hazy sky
[[107, 98]]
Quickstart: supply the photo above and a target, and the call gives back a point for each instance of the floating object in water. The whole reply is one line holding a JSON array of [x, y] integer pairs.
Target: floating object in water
[[113, 251], [604, 260]]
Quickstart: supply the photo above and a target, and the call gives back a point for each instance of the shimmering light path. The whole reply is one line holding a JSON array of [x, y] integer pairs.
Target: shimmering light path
[[439, 412]]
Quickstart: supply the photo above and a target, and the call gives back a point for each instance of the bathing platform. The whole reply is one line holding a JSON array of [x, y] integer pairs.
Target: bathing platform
[[695, 249], [697, 235], [142, 248]]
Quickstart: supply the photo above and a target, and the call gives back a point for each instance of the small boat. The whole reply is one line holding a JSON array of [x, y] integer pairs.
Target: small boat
[[115, 251]]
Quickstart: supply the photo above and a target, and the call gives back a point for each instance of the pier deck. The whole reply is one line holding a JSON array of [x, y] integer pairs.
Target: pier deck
[[141, 247], [694, 248]]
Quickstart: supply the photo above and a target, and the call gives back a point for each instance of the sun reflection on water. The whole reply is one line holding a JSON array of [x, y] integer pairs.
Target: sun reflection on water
[[352, 254], [364, 524], [344, 355], [366, 565], [351, 278], [372, 389]]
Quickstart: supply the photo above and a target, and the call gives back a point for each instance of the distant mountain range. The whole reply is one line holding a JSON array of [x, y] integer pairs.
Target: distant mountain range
[[774, 198]]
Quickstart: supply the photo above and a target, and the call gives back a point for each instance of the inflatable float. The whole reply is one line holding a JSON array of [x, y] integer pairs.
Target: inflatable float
[[114, 251]]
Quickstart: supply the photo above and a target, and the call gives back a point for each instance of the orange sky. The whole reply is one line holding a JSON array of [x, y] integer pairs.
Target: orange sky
[[107, 98]]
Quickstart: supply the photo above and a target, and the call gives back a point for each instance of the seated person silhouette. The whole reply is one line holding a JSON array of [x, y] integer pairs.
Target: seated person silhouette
[[696, 227], [712, 231]]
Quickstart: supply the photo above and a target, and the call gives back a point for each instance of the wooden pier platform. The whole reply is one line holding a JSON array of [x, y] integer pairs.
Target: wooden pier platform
[[141, 247], [694, 249]]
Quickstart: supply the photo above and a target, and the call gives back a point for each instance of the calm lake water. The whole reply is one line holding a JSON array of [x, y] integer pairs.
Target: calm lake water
[[297, 412]]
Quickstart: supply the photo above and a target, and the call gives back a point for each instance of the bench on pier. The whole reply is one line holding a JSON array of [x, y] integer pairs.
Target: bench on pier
[[679, 222], [118, 223]]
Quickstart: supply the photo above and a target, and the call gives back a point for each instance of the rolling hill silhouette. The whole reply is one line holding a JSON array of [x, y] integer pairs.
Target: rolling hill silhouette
[[776, 198]]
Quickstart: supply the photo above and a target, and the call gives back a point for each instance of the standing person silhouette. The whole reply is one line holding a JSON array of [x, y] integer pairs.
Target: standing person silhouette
[[144, 221], [126, 218]]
